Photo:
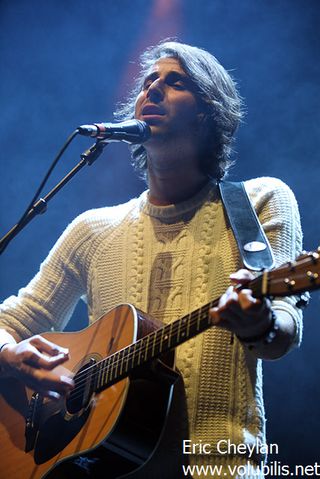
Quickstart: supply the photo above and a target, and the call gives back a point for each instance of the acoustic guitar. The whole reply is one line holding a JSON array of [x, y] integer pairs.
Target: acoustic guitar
[[124, 376]]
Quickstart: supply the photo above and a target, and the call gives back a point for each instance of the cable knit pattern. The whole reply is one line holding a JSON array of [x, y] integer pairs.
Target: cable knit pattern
[[169, 261]]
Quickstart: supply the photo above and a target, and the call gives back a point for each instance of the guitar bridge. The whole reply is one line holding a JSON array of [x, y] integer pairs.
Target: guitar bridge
[[32, 421]]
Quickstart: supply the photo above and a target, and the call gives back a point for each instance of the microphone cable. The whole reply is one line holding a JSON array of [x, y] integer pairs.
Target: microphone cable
[[47, 176]]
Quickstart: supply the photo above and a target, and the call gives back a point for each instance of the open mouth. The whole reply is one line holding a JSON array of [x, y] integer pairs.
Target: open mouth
[[152, 110]]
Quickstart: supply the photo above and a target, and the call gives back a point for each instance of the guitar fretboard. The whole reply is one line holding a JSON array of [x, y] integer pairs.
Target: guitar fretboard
[[120, 364], [153, 345]]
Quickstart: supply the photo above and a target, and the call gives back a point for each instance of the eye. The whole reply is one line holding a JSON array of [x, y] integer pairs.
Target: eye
[[178, 85], [148, 81], [146, 84], [176, 81]]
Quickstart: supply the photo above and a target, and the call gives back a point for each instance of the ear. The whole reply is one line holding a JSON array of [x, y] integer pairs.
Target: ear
[[203, 110], [201, 116]]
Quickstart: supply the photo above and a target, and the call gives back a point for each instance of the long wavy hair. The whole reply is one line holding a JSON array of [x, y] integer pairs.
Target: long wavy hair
[[216, 91]]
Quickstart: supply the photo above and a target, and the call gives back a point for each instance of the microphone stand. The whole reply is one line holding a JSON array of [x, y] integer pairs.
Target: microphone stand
[[40, 207]]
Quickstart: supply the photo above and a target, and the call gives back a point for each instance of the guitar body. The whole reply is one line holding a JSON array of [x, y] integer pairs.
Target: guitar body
[[121, 424]]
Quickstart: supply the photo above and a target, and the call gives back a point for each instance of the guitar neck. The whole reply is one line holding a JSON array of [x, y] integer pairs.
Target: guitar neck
[[293, 277], [122, 363]]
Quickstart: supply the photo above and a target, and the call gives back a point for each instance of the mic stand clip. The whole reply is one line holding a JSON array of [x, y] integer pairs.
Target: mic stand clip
[[87, 158]]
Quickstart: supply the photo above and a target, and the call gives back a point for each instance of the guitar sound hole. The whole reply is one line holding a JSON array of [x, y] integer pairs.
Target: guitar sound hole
[[80, 396]]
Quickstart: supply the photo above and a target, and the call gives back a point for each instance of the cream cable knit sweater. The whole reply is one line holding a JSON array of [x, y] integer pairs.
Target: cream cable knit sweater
[[168, 261]]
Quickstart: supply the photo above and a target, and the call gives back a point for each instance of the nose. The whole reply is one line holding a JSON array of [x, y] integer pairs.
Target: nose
[[155, 90]]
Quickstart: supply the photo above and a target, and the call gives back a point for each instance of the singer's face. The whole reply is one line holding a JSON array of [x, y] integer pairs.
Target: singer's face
[[167, 101]]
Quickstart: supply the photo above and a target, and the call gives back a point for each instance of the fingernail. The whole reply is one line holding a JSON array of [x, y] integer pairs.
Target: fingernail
[[214, 319], [54, 395], [63, 351], [67, 380]]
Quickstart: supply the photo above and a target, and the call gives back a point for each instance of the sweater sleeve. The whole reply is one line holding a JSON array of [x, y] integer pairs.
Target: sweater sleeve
[[278, 213], [49, 299]]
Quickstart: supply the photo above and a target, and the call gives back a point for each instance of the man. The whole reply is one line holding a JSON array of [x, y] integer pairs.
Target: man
[[170, 252]]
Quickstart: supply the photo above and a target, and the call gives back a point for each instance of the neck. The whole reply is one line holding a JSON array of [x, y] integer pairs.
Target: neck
[[166, 189], [173, 181]]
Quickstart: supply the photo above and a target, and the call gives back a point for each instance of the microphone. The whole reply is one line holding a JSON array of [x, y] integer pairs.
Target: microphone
[[130, 131]]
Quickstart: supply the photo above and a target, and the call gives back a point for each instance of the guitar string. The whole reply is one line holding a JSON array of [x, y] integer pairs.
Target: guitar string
[[138, 347], [194, 315], [113, 364]]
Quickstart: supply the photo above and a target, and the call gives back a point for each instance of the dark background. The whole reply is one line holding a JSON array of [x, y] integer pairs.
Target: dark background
[[65, 63]]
